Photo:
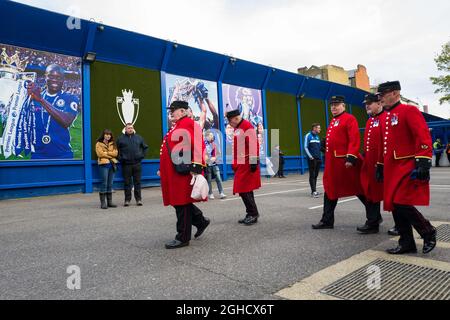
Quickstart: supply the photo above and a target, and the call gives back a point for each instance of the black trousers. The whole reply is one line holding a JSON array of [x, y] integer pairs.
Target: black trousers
[[373, 211], [314, 169], [438, 159], [407, 217], [132, 176], [187, 216], [250, 204], [280, 172]]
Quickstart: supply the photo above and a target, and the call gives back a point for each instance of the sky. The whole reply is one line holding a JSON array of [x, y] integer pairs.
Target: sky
[[394, 39]]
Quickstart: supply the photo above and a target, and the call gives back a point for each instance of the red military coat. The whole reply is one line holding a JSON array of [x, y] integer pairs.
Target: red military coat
[[405, 137], [244, 179], [343, 139], [176, 188], [373, 190]]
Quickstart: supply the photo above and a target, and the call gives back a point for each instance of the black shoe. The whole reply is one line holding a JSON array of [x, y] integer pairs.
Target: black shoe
[[202, 229], [139, 203], [175, 244], [243, 220], [393, 232], [402, 250], [429, 242], [366, 229], [380, 221], [250, 221], [322, 225]]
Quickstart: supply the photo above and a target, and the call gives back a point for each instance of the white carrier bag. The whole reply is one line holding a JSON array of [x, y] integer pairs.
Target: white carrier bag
[[200, 187]]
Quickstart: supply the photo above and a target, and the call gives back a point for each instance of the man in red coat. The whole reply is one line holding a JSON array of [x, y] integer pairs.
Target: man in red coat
[[183, 142], [373, 189], [342, 162], [406, 155], [247, 171]]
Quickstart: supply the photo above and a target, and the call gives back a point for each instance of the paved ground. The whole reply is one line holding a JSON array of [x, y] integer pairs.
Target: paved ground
[[121, 252]]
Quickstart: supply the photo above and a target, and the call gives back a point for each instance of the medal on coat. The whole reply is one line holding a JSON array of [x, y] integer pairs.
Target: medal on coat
[[337, 123], [394, 120], [376, 123]]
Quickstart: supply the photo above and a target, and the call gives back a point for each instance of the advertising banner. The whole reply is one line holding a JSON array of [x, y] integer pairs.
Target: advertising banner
[[40, 105]]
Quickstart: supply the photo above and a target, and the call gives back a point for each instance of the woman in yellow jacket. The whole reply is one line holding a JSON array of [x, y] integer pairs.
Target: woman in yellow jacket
[[106, 150]]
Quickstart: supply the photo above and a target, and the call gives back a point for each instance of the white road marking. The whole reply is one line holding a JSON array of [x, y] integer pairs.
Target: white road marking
[[348, 200], [268, 194], [275, 183]]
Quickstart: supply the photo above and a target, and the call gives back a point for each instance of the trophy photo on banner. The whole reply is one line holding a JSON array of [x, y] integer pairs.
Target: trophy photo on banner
[[202, 98], [14, 105], [127, 108]]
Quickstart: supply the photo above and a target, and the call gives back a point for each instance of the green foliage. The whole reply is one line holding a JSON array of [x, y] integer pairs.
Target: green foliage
[[443, 64]]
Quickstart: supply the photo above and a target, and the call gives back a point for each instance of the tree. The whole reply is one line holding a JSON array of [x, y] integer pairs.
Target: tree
[[443, 64]]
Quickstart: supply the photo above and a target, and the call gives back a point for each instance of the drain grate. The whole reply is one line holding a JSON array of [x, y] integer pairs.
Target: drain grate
[[443, 233], [398, 281]]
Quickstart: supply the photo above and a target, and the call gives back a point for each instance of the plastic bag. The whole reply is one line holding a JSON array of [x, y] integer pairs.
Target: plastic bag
[[200, 187]]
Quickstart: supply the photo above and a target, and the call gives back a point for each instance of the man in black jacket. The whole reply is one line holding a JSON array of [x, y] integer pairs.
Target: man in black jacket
[[132, 150]]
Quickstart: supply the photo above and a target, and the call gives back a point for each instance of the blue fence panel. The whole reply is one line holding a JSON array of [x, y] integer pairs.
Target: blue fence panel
[[29, 27]]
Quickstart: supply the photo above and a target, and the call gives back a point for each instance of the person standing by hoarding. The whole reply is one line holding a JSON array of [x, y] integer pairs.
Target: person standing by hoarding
[[313, 152], [438, 150], [212, 169], [132, 150], [107, 163]]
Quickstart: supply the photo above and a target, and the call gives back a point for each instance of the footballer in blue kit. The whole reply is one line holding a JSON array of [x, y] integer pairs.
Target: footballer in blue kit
[[54, 113]]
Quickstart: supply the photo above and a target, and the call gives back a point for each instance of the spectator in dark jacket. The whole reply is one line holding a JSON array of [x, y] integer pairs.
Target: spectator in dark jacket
[[132, 150], [278, 155]]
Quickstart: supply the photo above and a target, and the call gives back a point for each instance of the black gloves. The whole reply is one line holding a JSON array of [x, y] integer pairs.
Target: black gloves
[[254, 161], [423, 166], [352, 160], [379, 174]]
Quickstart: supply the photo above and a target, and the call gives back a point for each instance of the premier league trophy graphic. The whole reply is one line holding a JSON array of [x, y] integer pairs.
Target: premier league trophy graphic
[[127, 107], [15, 126]]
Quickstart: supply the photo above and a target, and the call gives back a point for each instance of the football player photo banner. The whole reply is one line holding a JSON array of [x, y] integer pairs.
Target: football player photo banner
[[201, 96], [40, 105], [249, 103], [203, 102]]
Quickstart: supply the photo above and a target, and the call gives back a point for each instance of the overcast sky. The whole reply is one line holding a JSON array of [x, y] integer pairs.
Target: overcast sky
[[394, 39]]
